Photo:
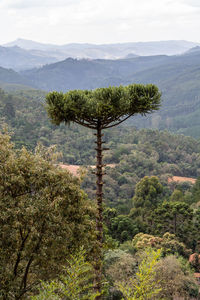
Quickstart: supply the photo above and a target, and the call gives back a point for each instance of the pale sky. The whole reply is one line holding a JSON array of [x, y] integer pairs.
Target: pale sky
[[99, 21]]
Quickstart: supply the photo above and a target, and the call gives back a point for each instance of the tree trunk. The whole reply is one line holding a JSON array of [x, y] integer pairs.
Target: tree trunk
[[175, 224], [99, 219]]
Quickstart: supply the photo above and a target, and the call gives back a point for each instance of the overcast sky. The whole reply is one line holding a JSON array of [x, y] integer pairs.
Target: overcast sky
[[99, 21]]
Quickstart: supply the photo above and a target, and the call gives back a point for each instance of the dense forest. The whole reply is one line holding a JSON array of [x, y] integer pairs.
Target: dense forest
[[159, 216], [143, 211]]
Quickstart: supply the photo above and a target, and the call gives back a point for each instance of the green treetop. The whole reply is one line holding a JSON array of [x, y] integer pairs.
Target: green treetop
[[107, 106]]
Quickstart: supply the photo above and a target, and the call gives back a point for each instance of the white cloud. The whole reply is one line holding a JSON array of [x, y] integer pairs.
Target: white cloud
[[29, 4], [99, 21], [194, 3]]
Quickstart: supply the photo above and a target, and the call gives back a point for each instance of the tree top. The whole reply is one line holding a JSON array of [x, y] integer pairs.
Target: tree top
[[105, 107]]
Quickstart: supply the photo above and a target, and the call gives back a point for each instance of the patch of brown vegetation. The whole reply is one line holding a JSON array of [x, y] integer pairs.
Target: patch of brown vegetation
[[71, 168], [181, 179], [194, 257], [74, 168]]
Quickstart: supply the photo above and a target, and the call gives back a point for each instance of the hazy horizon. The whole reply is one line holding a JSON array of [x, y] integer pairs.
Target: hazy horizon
[[99, 21], [98, 44]]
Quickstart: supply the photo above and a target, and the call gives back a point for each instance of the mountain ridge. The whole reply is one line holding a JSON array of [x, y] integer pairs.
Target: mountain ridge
[[178, 78], [17, 58], [108, 51]]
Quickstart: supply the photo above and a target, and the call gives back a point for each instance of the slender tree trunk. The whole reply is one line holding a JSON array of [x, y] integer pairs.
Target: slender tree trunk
[[99, 219], [175, 224]]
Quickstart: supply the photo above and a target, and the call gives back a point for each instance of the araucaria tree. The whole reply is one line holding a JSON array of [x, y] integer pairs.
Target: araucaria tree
[[100, 109]]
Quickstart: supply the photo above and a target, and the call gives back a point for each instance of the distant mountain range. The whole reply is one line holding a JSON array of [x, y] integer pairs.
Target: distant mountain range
[[25, 54], [177, 76], [89, 74], [18, 58]]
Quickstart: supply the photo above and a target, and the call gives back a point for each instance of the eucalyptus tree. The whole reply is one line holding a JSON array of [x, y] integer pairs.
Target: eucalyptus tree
[[101, 109]]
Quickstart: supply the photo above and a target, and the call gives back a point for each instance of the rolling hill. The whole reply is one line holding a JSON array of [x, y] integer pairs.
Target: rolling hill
[[178, 77], [9, 76], [19, 59], [88, 74]]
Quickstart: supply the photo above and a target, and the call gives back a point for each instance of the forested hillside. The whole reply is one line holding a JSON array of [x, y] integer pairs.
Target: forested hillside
[[99, 150], [178, 77], [9, 76], [25, 114], [142, 210], [136, 153]]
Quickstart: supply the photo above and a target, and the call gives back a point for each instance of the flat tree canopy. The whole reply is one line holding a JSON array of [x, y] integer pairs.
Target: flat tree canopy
[[109, 106]]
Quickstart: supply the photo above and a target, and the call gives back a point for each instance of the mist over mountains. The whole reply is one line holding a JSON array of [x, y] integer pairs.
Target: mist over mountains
[[25, 54]]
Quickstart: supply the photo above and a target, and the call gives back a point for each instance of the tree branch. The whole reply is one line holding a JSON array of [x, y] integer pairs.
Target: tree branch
[[24, 279], [84, 124], [20, 252], [118, 122]]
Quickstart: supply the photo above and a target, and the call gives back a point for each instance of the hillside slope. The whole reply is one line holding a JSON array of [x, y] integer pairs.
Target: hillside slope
[[19, 59], [178, 77], [136, 153], [12, 77], [86, 74]]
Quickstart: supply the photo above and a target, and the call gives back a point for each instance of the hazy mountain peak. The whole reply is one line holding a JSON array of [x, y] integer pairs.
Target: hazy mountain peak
[[28, 44], [193, 50], [108, 51]]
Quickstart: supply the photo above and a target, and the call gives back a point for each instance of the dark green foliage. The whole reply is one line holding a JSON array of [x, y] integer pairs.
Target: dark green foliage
[[196, 191], [8, 109], [177, 195], [147, 193], [196, 230], [176, 218], [122, 228], [107, 105]]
